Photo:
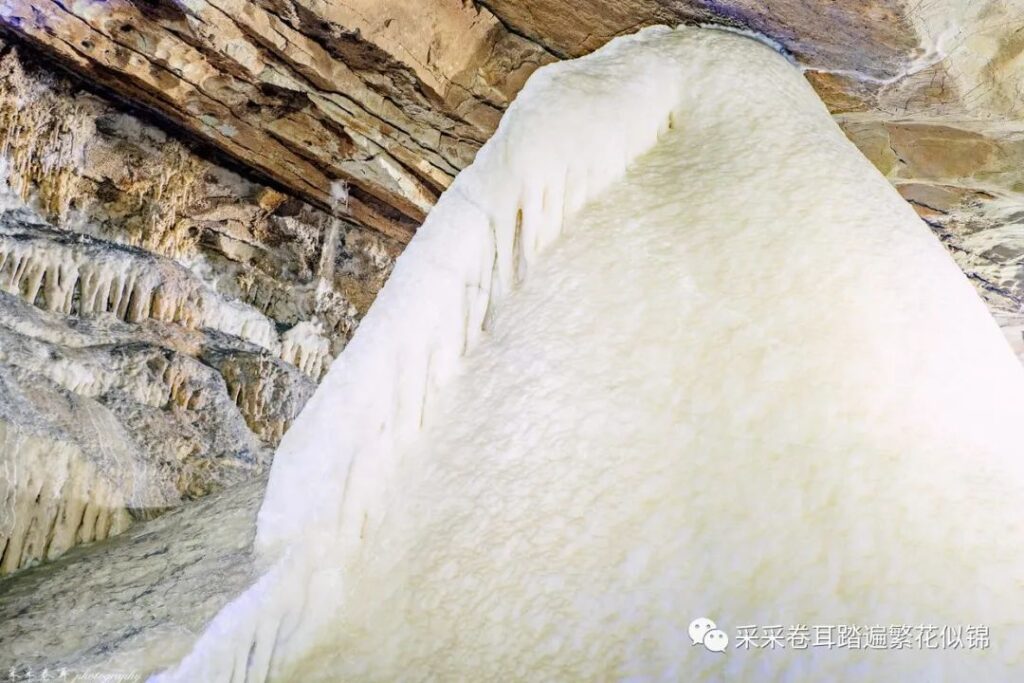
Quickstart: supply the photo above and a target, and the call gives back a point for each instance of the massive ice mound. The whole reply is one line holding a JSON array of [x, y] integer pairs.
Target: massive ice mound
[[671, 348]]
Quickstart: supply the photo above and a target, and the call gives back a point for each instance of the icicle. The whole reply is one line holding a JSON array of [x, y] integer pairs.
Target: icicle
[[571, 134], [52, 500]]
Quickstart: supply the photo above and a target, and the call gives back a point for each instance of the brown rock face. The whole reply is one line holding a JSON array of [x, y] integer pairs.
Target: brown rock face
[[872, 37], [368, 108], [363, 108]]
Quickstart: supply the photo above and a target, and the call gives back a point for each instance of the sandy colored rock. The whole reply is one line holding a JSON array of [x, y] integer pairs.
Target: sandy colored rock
[[310, 94]]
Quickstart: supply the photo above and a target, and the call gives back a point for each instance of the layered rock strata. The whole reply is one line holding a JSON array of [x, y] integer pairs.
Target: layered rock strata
[[162, 319]]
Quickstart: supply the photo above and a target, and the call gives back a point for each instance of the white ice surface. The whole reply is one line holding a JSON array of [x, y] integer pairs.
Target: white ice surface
[[746, 384]]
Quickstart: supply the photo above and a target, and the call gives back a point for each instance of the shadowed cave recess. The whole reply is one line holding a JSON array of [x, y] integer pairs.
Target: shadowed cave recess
[[311, 370]]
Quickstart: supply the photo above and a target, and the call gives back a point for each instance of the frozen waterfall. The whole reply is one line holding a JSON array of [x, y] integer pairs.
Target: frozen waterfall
[[670, 348]]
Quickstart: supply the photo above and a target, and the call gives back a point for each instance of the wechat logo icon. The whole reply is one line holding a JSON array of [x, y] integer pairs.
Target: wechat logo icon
[[704, 632]]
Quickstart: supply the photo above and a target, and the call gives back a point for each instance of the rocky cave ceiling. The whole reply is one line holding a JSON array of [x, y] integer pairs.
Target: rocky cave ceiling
[[385, 101], [201, 199]]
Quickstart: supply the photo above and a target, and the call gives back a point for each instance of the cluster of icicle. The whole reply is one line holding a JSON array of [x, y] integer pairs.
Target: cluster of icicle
[[167, 378], [41, 138], [543, 164], [52, 498], [265, 392], [78, 275]]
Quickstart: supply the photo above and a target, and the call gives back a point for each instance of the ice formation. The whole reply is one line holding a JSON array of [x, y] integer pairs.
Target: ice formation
[[77, 275], [60, 500], [69, 477], [744, 382]]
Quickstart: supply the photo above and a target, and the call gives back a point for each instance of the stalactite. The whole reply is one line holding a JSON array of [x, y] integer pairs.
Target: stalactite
[[83, 276], [52, 499], [306, 347]]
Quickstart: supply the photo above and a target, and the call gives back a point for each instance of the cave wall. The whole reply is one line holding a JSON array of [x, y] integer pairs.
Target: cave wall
[[162, 319], [365, 108]]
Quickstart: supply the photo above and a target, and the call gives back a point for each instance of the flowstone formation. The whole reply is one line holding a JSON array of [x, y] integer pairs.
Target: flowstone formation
[[584, 344], [162, 319]]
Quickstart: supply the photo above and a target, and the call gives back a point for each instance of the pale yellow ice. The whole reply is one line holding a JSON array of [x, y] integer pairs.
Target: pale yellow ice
[[739, 381], [748, 384]]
